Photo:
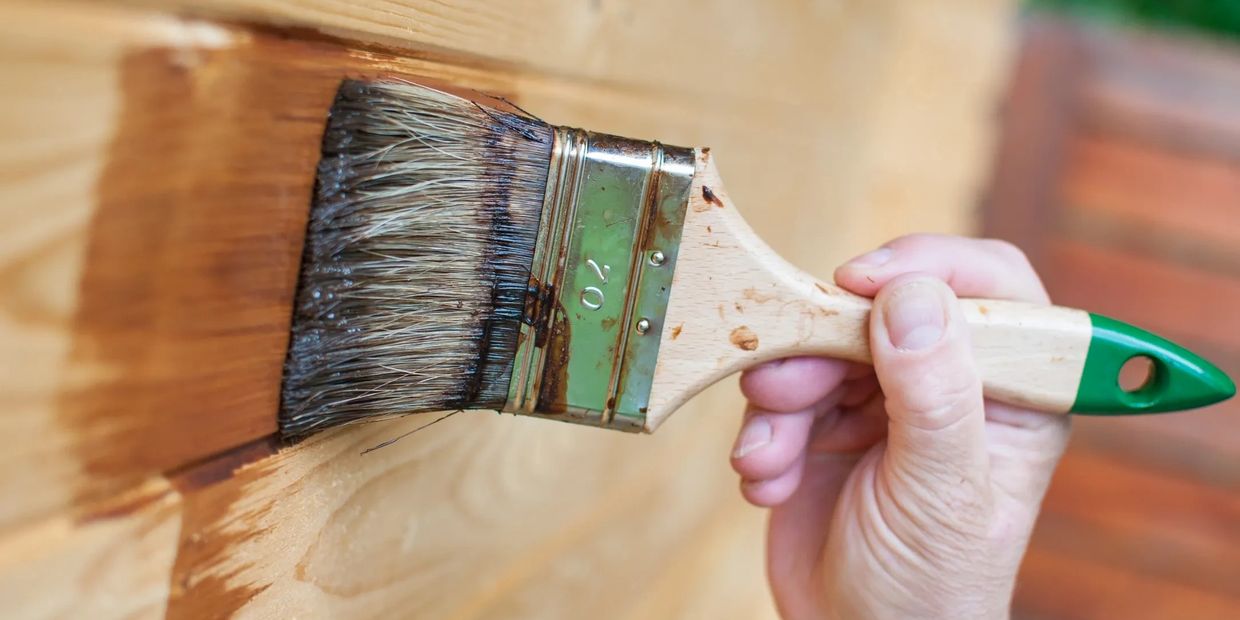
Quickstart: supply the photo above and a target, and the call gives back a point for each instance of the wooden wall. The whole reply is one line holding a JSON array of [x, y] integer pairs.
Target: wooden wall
[[1119, 174], [156, 160]]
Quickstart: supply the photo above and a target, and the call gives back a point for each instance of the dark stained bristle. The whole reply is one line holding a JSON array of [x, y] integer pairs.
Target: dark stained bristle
[[417, 257]]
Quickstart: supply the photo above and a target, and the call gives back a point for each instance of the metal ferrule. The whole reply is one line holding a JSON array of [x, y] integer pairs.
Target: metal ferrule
[[601, 279]]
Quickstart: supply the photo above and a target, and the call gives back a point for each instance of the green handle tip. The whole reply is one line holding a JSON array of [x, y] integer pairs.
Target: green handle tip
[[1179, 379]]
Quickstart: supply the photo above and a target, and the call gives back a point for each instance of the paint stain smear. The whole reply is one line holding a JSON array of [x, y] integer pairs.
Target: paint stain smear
[[744, 339]]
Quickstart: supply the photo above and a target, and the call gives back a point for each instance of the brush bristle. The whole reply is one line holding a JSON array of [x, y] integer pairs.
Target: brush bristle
[[417, 257]]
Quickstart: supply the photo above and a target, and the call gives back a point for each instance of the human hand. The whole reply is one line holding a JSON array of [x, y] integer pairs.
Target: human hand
[[896, 491]]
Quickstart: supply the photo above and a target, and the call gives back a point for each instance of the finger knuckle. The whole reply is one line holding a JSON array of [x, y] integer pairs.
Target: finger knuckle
[[914, 239], [1007, 251]]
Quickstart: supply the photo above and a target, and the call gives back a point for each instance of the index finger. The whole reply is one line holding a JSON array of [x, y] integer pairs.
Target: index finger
[[971, 267], [792, 384]]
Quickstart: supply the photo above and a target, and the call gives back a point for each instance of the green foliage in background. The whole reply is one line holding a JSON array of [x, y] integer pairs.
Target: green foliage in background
[[1221, 17]]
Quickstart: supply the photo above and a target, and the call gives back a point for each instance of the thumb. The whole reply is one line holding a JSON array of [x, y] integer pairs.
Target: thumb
[[922, 356]]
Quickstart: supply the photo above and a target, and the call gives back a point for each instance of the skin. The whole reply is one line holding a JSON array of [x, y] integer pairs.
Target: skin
[[896, 491]]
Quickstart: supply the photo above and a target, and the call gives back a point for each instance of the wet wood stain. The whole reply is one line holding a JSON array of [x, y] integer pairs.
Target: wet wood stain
[[190, 271], [215, 523]]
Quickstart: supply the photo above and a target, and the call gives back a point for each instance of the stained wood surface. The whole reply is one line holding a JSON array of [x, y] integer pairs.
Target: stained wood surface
[[1120, 175], [95, 271], [157, 168]]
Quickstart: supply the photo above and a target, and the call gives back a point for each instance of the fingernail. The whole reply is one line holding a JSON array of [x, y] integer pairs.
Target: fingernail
[[756, 434], [877, 258], [915, 316]]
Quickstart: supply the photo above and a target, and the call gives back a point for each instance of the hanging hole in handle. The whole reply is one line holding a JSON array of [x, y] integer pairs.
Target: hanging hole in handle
[[1137, 373]]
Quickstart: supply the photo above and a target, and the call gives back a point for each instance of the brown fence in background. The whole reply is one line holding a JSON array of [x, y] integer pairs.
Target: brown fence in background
[[1119, 174]]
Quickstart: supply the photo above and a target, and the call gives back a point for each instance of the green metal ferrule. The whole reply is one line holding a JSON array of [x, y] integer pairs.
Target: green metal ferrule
[[1179, 379], [600, 279]]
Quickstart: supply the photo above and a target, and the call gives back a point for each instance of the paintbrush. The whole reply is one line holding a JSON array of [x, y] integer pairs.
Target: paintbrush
[[463, 254]]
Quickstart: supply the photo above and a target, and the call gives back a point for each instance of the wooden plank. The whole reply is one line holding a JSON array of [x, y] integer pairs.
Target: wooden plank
[[170, 236], [173, 337], [1145, 205], [185, 261], [1118, 538], [1123, 512], [1203, 445], [156, 186], [60, 389], [481, 515], [1156, 192], [1038, 111], [1059, 586], [115, 565], [1180, 302], [1128, 207], [873, 93], [320, 528], [1173, 91], [652, 44]]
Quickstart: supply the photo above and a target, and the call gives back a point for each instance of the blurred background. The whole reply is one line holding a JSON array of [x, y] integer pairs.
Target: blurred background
[[1118, 172]]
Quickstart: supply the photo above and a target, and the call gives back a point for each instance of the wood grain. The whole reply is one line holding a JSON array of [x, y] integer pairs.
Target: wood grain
[[481, 516], [57, 135], [115, 565], [320, 528]]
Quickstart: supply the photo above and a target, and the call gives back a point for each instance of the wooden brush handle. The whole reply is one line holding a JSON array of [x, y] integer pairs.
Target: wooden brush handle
[[736, 303]]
